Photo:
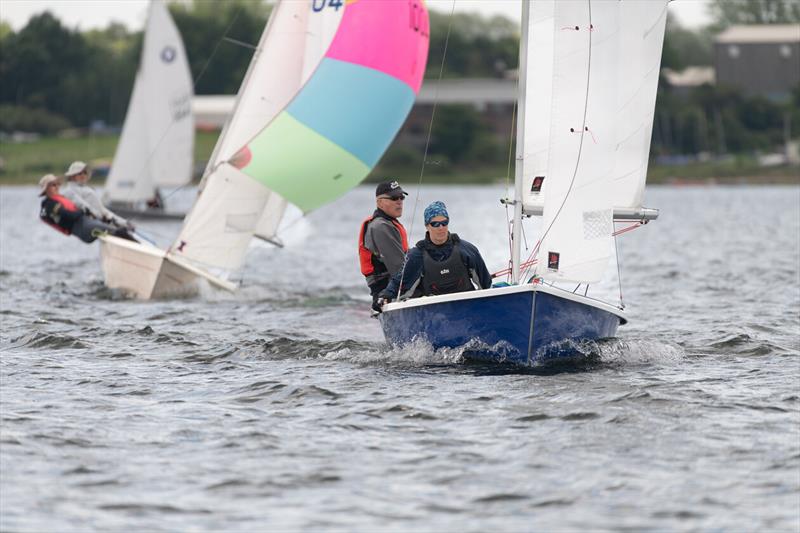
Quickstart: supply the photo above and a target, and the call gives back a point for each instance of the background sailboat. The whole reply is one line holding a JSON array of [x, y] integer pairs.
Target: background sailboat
[[588, 78], [328, 88], [156, 148]]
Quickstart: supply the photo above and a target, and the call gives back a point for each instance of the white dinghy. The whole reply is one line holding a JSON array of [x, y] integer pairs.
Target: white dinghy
[[329, 86]]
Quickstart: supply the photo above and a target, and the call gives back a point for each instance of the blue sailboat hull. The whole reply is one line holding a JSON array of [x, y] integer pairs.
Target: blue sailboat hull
[[523, 325]]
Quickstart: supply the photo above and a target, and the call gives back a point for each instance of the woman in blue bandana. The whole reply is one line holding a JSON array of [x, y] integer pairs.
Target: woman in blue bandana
[[433, 268]]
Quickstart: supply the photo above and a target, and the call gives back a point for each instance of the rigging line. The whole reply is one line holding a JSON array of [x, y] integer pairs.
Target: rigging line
[[194, 85], [508, 175], [240, 43], [583, 127], [619, 273], [428, 140]]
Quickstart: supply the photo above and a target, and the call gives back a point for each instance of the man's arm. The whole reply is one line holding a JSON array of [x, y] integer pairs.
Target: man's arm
[[80, 202], [410, 274], [387, 244], [113, 217]]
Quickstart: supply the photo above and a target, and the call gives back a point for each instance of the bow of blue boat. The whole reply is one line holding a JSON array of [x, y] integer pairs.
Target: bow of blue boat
[[522, 324]]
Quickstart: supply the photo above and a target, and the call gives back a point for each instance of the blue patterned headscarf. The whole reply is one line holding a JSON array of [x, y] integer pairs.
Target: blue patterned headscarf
[[436, 209]]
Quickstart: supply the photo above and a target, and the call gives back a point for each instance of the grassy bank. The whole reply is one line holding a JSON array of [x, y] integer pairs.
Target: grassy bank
[[25, 163]]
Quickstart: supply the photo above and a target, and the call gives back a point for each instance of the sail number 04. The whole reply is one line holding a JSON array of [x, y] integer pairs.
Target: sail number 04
[[319, 5], [415, 12]]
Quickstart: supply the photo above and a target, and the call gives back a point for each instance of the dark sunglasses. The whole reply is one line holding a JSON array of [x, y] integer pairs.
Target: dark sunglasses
[[401, 198], [438, 223]]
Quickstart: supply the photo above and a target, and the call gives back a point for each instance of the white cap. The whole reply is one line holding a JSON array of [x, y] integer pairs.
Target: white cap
[[45, 182], [75, 168]]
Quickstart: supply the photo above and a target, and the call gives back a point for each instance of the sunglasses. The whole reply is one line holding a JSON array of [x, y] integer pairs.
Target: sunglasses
[[401, 198], [438, 223]]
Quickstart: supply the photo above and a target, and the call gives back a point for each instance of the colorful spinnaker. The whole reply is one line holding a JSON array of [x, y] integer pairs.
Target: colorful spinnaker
[[328, 89]]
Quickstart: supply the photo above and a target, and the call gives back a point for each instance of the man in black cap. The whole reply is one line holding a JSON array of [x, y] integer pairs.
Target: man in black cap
[[382, 241]]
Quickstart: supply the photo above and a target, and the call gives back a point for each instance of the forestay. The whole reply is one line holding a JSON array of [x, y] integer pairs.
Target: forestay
[[601, 115], [157, 142], [328, 88]]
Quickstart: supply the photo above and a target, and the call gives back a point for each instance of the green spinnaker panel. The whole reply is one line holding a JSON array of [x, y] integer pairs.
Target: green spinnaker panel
[[302, 166]]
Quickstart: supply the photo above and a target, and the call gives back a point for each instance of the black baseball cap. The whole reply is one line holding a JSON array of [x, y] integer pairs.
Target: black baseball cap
[[391, 189]]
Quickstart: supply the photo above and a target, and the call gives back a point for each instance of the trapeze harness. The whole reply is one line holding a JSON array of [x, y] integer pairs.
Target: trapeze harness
[[444, 277], [60, 213], [371, 264]]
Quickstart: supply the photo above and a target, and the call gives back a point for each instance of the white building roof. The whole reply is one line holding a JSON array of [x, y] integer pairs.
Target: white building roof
[[690, 76], [760, 33]]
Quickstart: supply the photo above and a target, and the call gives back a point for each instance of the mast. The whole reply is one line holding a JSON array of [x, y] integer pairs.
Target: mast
[[516, 234]]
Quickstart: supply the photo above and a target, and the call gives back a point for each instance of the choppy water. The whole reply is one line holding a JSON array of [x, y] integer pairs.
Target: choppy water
[[281, 408]]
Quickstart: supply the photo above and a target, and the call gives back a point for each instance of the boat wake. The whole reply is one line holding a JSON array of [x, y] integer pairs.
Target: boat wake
[[632, 351], [588, 355]]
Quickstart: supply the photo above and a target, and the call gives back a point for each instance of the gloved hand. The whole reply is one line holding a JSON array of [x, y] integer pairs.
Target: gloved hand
[[377, 305]]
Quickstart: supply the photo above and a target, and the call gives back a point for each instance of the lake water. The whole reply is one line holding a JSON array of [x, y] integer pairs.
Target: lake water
[[281, 408]]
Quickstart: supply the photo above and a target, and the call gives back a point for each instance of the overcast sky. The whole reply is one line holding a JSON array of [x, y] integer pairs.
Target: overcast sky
[[87, 14]]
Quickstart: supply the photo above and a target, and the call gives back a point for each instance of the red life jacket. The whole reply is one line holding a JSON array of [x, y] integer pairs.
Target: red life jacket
[[66, 204], [371, 263]]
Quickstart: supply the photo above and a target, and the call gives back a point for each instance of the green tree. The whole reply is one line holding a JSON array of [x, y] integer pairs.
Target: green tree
[[219, 39], [684, 47], [725, 13], [37, 62], [476, 47], [455, 129]]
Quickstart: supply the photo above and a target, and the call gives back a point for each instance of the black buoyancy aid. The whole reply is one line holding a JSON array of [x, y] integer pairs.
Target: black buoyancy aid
[[445, 277], [370, 263], [60, 213]]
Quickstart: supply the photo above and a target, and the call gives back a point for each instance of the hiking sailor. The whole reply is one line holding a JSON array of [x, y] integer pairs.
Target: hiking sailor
[[83, 196], [441, 263], [63, 215], [382, 241]]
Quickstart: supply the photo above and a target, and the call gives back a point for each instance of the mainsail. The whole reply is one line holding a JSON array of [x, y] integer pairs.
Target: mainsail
[[603, 93], [330, 84], [157, 141]]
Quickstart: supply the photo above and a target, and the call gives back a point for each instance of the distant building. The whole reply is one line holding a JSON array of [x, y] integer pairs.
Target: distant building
[[759, 59]]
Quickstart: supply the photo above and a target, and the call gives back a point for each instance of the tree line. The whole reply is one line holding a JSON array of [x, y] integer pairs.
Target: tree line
[[56, 77]]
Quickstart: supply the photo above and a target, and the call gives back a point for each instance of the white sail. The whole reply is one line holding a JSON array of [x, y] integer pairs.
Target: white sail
[[157, 141], [538, 101], [642, 24], [601, 118], [291, 47]]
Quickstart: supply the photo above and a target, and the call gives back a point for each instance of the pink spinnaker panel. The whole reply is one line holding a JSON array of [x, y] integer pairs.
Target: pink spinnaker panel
[[399, 25]]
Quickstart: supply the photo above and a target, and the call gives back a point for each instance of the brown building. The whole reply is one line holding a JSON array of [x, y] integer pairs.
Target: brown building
[[759, 59]]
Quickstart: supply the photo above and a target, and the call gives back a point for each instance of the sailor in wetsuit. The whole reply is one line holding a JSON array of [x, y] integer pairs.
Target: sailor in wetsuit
[[63, 215], [442, 263]]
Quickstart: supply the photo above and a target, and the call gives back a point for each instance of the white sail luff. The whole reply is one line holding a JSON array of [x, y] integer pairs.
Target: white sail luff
[[538, 103], [516, 235], [157, 143]]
